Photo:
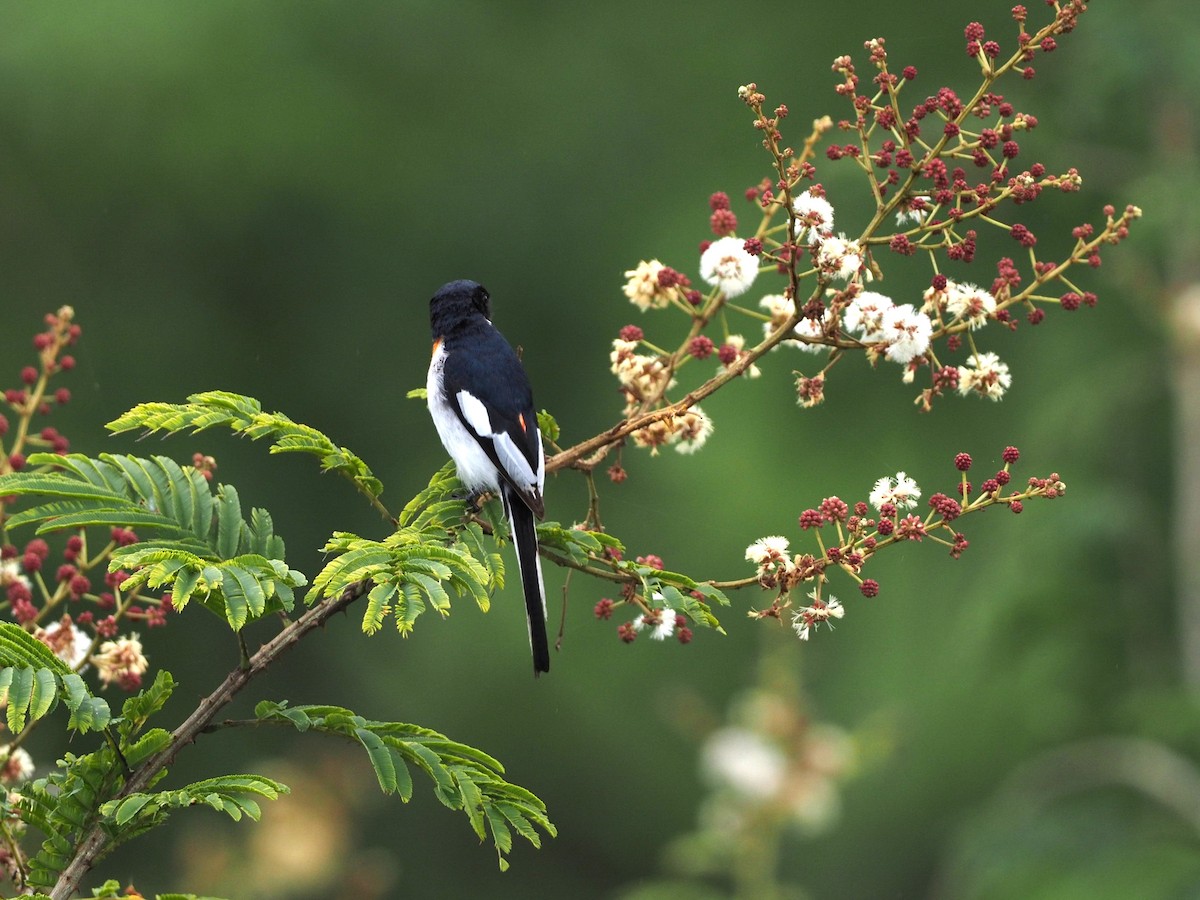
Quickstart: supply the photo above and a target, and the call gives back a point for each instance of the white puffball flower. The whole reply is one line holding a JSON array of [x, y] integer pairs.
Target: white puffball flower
[[840, 257], [902, 492], [692, 428], [970, 303], [767, 550], [986, 376], [727, 265], [814, 217], [642, 287], [907, 333], [864, 315]]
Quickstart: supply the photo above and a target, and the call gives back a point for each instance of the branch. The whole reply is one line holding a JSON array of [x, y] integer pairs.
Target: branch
[[588, 454], [93, 844]]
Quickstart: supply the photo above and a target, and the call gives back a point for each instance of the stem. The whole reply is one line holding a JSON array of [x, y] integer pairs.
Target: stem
[[95, 841]]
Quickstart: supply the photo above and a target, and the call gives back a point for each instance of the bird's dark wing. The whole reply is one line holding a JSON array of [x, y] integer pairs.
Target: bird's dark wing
[[489, 392]]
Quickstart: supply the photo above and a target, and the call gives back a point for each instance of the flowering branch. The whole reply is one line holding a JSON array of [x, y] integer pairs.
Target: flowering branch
[[913, 165]]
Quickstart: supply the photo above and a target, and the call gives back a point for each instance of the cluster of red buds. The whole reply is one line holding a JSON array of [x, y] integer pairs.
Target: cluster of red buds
[[947, 177], [848, 536], [63, 594], [33, 398]]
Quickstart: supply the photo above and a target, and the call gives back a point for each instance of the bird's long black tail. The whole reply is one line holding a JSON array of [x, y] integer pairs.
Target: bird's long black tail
[[524, 534]]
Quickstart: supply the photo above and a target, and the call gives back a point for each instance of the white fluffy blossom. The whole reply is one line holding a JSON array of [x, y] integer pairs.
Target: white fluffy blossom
[[779, 308], [68, 641], [902, 492], [767, 550], [692, 429], [986, 376], [643, 289], [641, 375], [814, 217], [907, 333], [15, 764], [840, 257], [910, 214], [806, 619], [11, 572], [663, 626], [121, 661], [727, 265], [864, 316], [813, 330], [969, 303]]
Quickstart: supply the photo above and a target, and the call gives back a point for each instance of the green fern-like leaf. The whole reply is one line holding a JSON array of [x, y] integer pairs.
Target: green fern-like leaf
[[464, 778], [63, 805], [33, 681], [231, 794], [244, 415], [199, 545], [433, 554]]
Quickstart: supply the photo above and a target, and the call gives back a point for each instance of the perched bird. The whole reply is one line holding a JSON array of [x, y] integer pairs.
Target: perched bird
[[481, 403]]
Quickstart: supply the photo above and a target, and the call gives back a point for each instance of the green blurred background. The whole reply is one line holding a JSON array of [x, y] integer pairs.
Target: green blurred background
[[262, 197]]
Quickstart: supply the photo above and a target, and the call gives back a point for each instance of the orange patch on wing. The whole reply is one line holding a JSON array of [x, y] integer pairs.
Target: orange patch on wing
[[521, 420], [437, 342]]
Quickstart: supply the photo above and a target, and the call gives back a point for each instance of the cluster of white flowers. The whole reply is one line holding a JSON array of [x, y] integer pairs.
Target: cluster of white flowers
[[727, 265], [901, 331], [663, 628], [11, 573], [963, 302], [67, 640], [902, 492], [120, 661], [643, 289], [986, 375], [806, 619], [840, 257], [641, 375], [814, 217], [774, 759], [15, 764]]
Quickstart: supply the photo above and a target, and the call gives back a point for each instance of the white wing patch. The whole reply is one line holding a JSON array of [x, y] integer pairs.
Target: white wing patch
[[514, 462], [475, 413]]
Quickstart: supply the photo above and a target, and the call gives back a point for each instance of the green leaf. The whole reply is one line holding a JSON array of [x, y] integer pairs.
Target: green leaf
[[418, 394], [464, 778], [20, 692], [44, 693], [244, 415], [229, 521], [548, 426], [381, 759], [19, 648], [377, 606], [131, 806]]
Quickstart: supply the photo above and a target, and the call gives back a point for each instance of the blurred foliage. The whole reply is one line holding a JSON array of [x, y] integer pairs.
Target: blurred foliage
[[261, 198]]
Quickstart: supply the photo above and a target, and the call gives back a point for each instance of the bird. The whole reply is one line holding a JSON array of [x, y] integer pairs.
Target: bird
[[481, 403]]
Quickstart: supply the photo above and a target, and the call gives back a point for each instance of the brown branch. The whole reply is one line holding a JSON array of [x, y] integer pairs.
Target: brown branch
[[95, 842], [588, 454]]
